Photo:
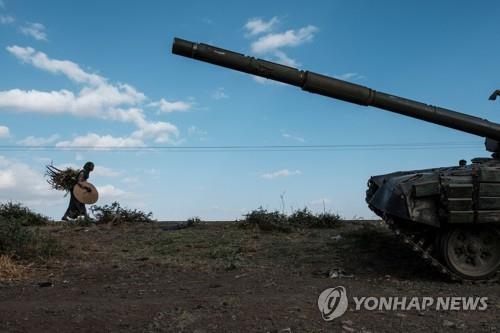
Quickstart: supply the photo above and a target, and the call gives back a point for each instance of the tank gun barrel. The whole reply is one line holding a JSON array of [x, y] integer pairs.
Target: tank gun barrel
[[339, 89]]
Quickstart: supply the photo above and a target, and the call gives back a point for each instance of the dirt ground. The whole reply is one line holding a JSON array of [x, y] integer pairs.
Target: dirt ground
[[219, 278]]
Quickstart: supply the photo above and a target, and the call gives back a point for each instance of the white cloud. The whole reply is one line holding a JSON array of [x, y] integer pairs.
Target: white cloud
[[7, 179], [6, 19], [290, 38], [280, 173], [110, 192], [292, 137], [97, 98], [20, 183], [132, 181], [257, 26], [35, 30], [219, 94], [130, 115], [350, 76], [196, 131], [68, 68], [37, 101], [39, 141], [93, 140], [105, 171], [283, 59], [4, 132], [3, 161], [161, 131], [90, 102], [166, 106], [272, 43]]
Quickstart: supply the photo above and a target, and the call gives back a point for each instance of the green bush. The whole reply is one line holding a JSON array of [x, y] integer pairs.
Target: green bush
[[24, 242], [14, 237], [306, 218], [327, 220], [115, 214], [193, 221], [17, 212], [266, 220], [302, 218]]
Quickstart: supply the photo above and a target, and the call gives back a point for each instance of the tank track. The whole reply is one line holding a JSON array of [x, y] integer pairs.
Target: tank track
[[423, 245]]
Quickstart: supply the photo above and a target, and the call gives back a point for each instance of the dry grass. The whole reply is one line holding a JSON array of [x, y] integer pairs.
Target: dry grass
[[9, 270]]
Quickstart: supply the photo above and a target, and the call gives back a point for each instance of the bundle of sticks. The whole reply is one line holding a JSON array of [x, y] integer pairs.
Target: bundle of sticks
[[62, 180]]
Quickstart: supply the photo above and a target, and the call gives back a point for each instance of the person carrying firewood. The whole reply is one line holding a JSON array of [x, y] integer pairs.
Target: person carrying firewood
[[75, 207], [71, 180]]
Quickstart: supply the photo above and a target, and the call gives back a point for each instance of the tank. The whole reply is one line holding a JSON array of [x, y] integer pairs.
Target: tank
[[450, 216]]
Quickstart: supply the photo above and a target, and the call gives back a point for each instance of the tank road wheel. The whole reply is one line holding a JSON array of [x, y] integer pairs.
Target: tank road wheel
[[472, 253]]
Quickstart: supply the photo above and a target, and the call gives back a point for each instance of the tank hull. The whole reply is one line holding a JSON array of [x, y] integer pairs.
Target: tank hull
[[450, 215], [438, 197]]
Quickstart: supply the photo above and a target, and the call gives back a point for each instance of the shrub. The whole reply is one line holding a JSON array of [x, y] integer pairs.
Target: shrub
[[26, 217], [115, 214], [21, 241], [14, 237], [266, 220], [326, 220], [302, 218], [193, 221], [306, 218]]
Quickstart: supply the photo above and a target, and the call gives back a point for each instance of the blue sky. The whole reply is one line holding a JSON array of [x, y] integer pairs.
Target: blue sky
[[94, 73]]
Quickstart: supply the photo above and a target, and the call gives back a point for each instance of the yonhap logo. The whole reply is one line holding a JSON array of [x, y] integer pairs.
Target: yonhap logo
[[332, 303]]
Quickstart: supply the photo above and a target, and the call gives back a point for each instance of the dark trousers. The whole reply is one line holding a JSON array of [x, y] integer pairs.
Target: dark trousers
[[75, 208]]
